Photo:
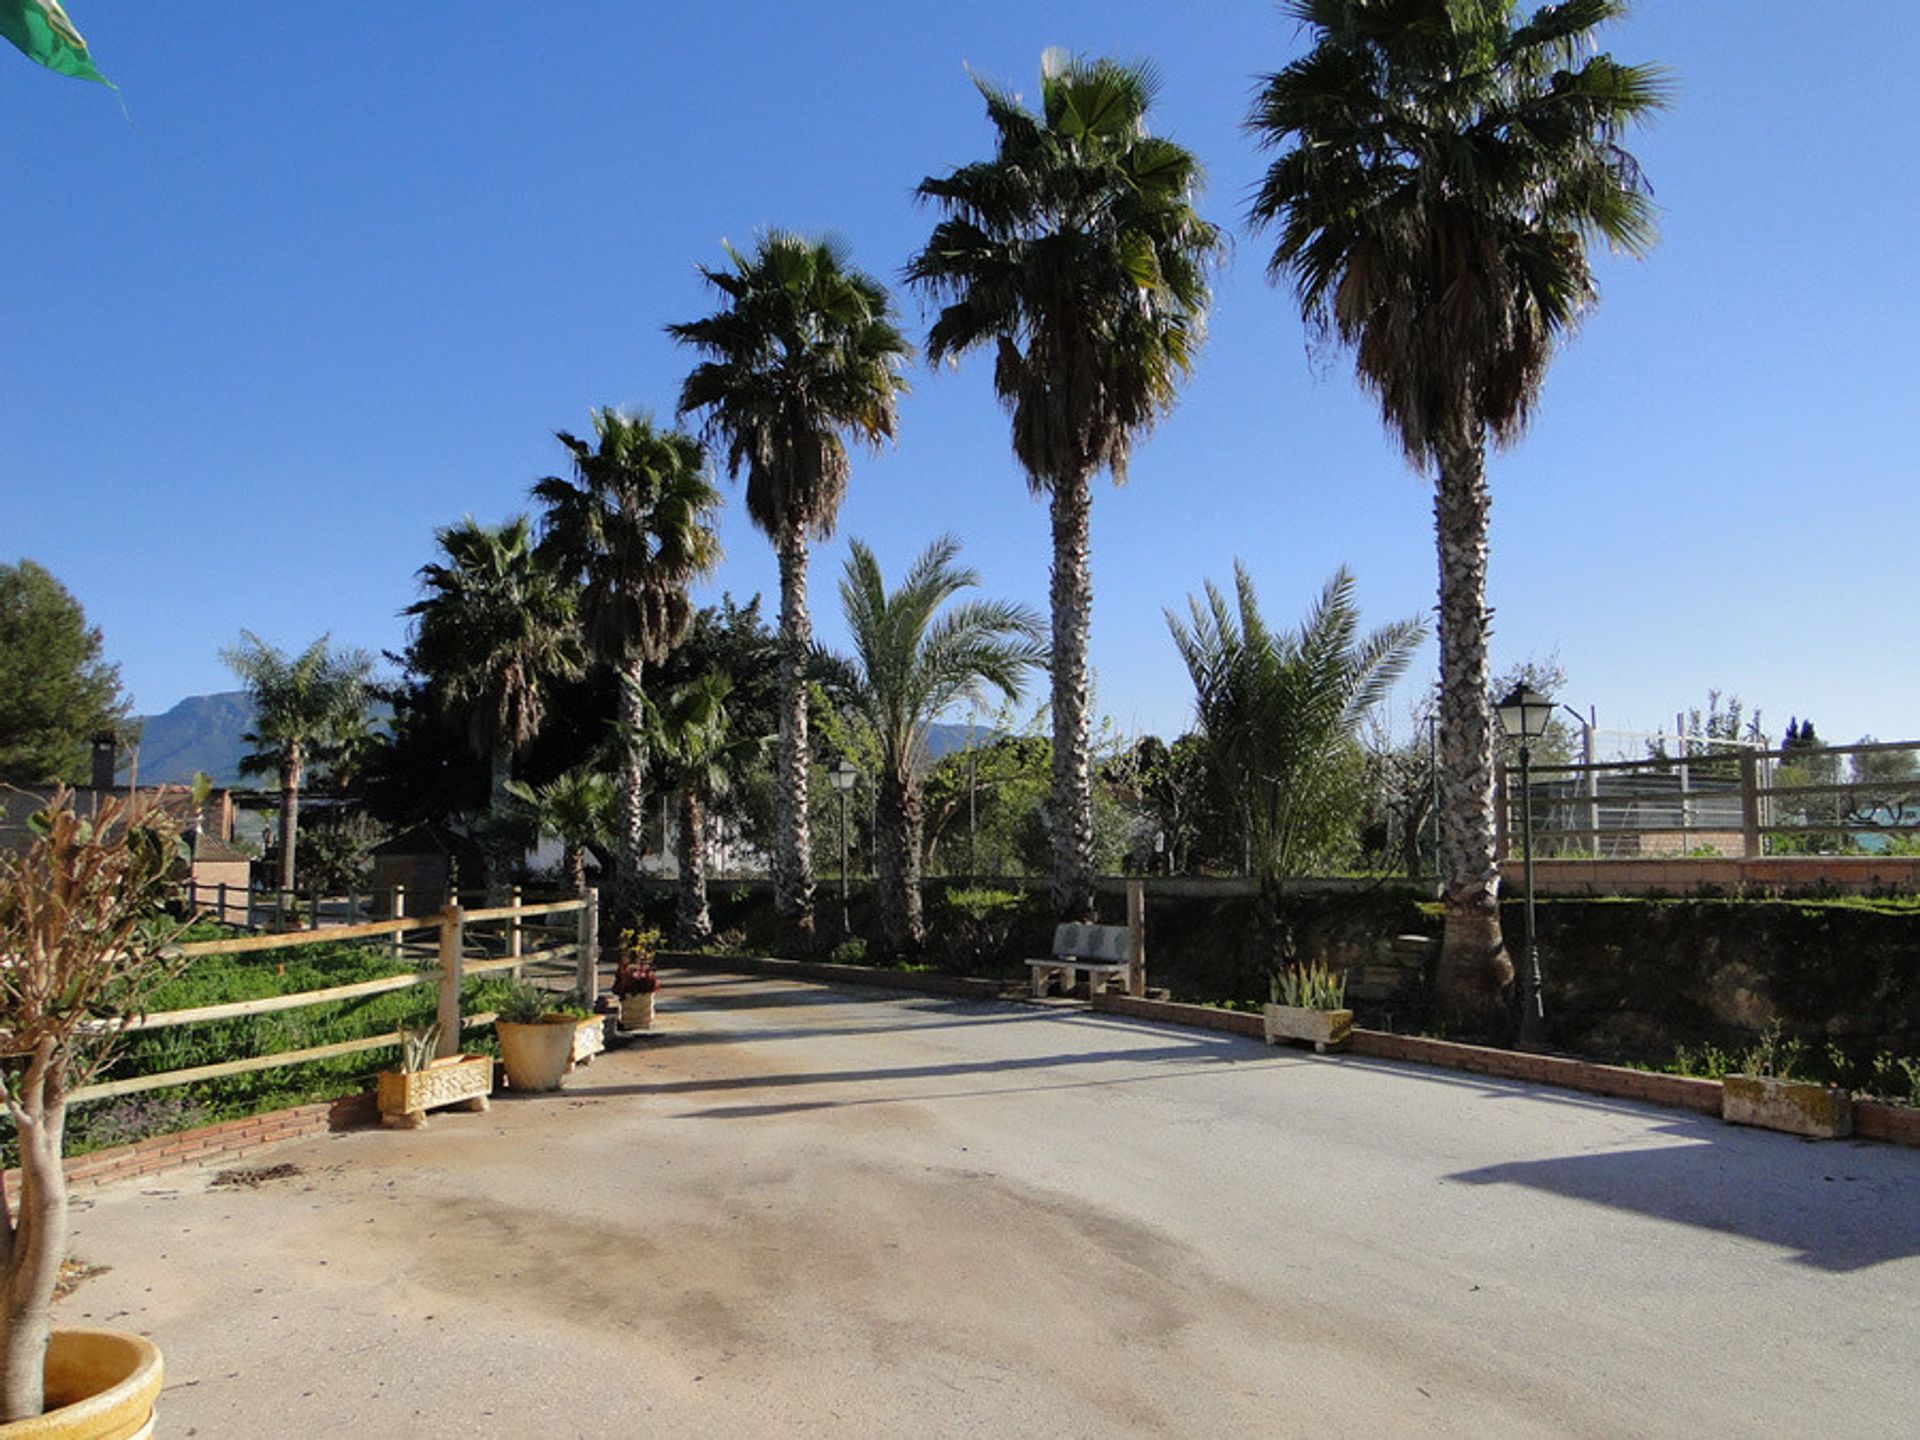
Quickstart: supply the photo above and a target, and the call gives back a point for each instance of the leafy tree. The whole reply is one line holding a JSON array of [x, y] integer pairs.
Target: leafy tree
[[1076, 256], [496, 627], [802, 354], [336, 854], [302, 705], [913, 658], [1281, 711], [577, 807], [56, 692], [1443, 169], [636, 523]]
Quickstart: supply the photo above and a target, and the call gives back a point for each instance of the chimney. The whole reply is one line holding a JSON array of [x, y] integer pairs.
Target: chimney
[[105, 752]]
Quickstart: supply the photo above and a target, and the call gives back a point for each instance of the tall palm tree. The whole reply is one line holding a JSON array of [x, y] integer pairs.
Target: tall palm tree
[[1281, 712], [691, 734], [802, 354], [578, 808], [636, 522], [911, 662], [497, 627], [301, 705], [1076, 256], [1443, 169]]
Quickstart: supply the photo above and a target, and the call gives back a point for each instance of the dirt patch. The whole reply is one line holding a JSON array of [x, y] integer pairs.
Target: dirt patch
[[73, 1274], [254, 1178]]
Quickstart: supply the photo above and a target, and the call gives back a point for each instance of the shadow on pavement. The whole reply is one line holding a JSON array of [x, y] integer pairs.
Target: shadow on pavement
[[1840, 1207]]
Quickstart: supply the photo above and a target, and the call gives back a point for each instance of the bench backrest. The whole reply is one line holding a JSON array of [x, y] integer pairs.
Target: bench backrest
[[1092, 942]]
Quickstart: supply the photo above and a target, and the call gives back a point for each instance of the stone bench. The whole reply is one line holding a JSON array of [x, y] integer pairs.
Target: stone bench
[[1102, 951]]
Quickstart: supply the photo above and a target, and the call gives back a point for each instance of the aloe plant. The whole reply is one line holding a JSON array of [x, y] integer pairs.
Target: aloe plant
[[1310, 987]]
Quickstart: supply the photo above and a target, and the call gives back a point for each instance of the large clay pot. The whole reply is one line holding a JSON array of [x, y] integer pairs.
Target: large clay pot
[[537, 1055], [101, 1385]]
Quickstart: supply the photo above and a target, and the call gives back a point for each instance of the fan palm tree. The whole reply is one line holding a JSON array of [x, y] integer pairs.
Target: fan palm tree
[[496, 627], [1443, 169], [301, 705], [1281, 713], [802, 354], [691, 734], [1076, 256], [578, 808], [910, 663], [636, 523]]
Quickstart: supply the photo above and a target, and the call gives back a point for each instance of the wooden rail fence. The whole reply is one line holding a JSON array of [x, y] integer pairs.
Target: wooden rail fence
[[572, 965]]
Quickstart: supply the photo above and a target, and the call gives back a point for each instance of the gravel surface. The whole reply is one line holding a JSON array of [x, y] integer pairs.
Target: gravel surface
[[798, 1210]]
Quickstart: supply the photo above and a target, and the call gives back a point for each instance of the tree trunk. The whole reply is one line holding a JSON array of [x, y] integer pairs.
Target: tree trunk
[[499, 772], [576, 862], [1072, 799], [901, 927], [692, 922], [37, 1241], [499, 858], [631, 840], [290, 764], [1474, 966], [792, 850]]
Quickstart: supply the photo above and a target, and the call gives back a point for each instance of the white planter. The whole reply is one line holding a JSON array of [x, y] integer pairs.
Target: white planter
[[589, 1039], [1323, 1029]]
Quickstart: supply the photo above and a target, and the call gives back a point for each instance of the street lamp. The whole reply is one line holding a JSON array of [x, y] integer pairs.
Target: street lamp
[[1524, 714], [842, 777]]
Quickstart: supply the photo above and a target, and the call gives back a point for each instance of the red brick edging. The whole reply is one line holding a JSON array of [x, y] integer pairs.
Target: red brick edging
[[1872, 1119], [229, 1140]]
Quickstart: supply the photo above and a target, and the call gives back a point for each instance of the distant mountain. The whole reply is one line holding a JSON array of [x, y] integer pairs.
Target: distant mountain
[[202, 732]]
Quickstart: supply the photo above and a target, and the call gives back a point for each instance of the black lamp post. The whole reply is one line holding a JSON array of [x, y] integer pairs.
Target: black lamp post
[[843, 776], [1524, 715]]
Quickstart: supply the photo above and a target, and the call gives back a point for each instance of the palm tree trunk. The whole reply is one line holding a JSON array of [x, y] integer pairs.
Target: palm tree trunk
[[576, 862], [1072, 800], [631, 841], [499, 772], [793, 854], [692, 922], [901, 925], [1473, 959], [499, 860], [289, 810]]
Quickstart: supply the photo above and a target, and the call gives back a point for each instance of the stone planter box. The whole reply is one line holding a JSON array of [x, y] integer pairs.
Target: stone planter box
[[1799, 1107], [636, 1011], [1323, 1029], [406, 1095], [589, 1039]]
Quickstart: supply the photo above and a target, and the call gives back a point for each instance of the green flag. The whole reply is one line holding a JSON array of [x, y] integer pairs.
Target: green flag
[[42, 32]]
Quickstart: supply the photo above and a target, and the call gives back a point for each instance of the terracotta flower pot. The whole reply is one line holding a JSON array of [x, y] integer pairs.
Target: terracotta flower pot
[[537, 1055], [101, 1385]]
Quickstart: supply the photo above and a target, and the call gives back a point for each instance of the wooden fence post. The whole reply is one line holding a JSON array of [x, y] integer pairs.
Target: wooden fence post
[[589, 957], [399, 913], [1137, 939], [1749, 805], [516, 945], [222, 901], [452, 941]]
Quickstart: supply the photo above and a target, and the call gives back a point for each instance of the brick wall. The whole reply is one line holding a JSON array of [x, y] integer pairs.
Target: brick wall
[[229, 1140]]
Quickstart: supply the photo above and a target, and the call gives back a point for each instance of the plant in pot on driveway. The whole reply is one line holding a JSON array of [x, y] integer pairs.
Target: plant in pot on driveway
[[424, 1083], [82, 943], [1309, 1003], [635, 981], [536, 1032]]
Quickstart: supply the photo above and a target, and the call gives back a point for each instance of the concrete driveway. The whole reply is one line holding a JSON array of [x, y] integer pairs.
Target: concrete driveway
[[833, 1212]]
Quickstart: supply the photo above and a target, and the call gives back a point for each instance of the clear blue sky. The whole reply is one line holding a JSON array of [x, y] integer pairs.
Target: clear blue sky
[[349, 267]]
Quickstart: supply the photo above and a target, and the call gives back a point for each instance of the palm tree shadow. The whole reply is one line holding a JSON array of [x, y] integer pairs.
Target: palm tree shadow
[[1840, 1208]]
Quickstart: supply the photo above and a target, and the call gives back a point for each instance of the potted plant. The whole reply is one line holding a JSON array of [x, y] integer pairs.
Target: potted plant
[[536, 1038], [424, 1083], [1766, 1093], [1309, 1003], [82, 943], [635, 981]]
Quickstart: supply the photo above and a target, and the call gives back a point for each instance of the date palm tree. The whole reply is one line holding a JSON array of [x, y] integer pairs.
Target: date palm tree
[[1076, 257], [636, 523], [497, 627], [1443, 168], [802, 354], [302, 704], [912, 660], [1281, 713]]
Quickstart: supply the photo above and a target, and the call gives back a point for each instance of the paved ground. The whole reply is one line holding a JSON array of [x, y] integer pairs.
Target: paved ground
[[799, 1210]]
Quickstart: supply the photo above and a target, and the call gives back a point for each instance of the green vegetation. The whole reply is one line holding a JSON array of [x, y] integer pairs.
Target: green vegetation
[[56, 692]]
